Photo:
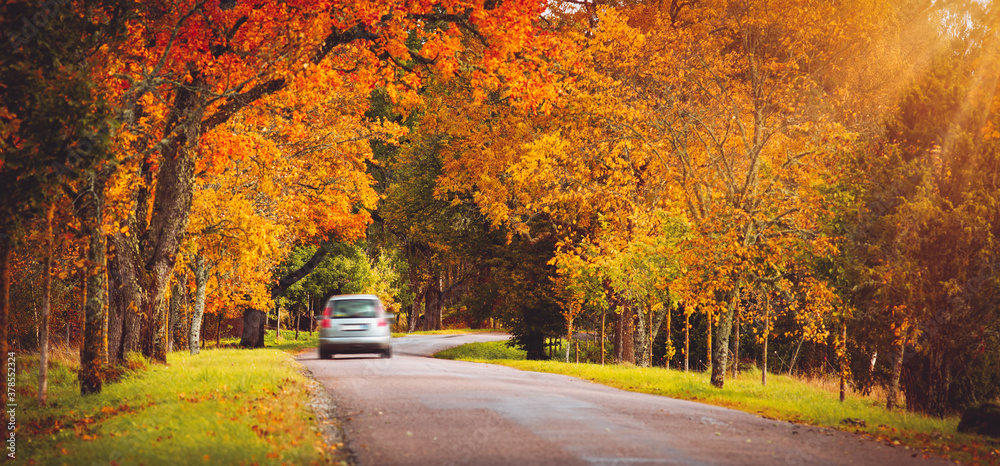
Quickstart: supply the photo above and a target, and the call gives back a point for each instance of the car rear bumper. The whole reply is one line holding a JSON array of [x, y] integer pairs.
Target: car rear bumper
[[354, 344]]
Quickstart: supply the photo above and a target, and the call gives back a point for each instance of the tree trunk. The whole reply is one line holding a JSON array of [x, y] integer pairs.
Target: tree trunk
[[218, 329], [843, 359], [655, 322], [171, 209], [644, 336], [897, 370], [201, 283], [175, 190], [416, 284], [432, 303], [668, 355], [736, 344], [604, 313], [618, 344], [176, 294], [126, 297], [654, 328], [569, 337], [145, 258], [767, 335], [298, 321], [94, 338], [253, 328], [763, 365], [277, 324], [639, 341], [687, 340], [415, 312], [628, 335], [43, 325], [708, 341], [534, 346], [721, 355], [795, 355], [624, 346]]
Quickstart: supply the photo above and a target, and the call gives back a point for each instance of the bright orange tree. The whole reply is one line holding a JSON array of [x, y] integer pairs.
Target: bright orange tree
[[189, 69]]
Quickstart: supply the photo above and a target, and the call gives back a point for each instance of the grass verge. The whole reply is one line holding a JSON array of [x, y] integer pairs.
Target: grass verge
[[490, 350], [288, 342], [451, 331], [784, 398], [223, 406]]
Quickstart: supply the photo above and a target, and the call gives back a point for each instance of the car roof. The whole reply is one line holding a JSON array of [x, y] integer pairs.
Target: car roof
[[353, 296]]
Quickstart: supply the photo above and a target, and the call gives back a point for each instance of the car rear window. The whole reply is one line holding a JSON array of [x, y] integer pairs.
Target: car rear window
[[352, 308]]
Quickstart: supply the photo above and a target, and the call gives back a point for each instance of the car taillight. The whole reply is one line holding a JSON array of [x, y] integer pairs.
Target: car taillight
[[382, 323], [326, 322]]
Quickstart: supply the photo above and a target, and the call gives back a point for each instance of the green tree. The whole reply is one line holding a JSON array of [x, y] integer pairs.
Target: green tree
[[923, 252]]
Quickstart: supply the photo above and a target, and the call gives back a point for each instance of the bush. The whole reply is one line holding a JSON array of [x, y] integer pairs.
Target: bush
[[983, 419]]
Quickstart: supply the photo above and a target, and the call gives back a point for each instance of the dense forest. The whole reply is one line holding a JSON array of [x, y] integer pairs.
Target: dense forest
[[807, 186]]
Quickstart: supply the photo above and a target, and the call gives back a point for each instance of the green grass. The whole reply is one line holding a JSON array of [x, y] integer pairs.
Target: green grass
[[785, 398], [223, 406], [289, 343], [450, 331], [484, 350]]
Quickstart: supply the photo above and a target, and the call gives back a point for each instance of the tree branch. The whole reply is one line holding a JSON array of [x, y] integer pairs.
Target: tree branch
[[299, 274], [237, 102]]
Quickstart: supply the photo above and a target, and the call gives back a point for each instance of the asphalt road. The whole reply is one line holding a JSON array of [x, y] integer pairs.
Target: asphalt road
[[416, 410]]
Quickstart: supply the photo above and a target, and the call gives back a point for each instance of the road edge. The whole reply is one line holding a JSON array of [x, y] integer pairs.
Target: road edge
[[324, 410]]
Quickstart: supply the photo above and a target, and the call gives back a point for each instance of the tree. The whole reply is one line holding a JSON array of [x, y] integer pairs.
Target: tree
[[54, 129], [301, 183], [633, 273], [345, 269], [747, 146], [187, 71], [922, 247], [723, 133]]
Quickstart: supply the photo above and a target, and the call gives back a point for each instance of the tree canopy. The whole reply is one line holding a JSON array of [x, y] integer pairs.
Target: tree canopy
[[821, 177]]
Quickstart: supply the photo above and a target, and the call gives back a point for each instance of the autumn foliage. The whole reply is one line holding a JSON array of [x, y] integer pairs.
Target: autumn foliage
[[820, 177]]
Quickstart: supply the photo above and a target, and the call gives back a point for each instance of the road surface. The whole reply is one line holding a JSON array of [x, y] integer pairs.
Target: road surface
[[416, 410]]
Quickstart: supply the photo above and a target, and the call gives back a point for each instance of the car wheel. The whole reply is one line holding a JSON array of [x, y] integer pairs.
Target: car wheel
[[325, 354], [387, 353]]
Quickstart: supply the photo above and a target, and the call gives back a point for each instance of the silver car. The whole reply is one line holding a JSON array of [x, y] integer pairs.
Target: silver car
[[355, 324]]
